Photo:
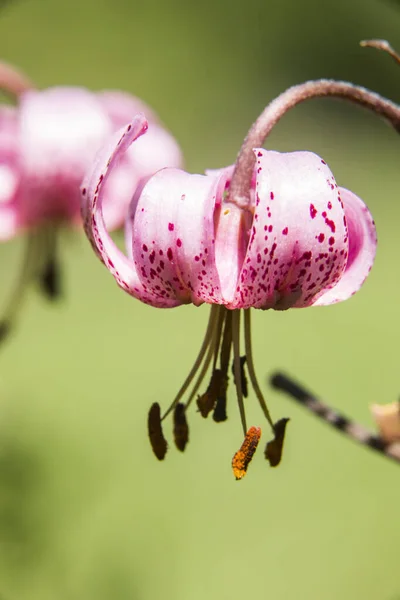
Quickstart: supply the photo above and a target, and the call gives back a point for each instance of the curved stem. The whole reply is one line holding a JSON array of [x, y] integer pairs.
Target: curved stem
[[12, 81], [241, 179], [382, 45]]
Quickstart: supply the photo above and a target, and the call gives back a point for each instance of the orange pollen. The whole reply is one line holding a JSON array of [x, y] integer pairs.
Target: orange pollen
[[243, 456]]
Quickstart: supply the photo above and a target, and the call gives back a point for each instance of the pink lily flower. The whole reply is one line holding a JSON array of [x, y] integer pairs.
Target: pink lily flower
[[273, 232], [47, 142]]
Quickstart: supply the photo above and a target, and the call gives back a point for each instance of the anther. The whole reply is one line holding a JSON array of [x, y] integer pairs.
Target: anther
[[206, 402], [5, 328], [243, 456], [181, 428], [157, 439], [49, 280], [273, 449], [243, 378], [219, 414]]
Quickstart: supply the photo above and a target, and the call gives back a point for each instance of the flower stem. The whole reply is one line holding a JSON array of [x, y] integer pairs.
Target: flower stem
[[12, 81], [353, 430], [241, 179], [382, 45]]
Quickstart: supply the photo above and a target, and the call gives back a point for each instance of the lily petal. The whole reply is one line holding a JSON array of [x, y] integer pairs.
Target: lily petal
[[150, 153], [362, 249], [298, 240], [11, 187], [118, 264], [61, 130], [173, 237], [122, 107]]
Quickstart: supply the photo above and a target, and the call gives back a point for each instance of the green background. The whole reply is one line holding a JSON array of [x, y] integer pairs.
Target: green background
[[86, 511]]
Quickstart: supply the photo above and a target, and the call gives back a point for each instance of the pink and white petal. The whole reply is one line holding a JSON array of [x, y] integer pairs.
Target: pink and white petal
[[121, 107], [10, 221], [362, 250], [231, 236], [61, 130], [8, 120], [154, 151], [173, 237], [11, 188], [118, 264], [150, 153], [298, 239]]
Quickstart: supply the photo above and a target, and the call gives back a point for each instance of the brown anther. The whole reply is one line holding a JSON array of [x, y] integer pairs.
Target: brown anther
[[181, 428], [273, 449], [49, 280], [206, 402], [243, 456], [219, 414], [243, 378], [157, 439]]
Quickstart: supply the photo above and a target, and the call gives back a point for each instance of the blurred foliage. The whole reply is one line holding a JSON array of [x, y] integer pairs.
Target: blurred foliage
[[86, 512]]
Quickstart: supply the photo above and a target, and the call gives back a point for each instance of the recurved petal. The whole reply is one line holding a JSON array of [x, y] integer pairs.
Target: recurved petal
[[150, 153], [122, 268], [298, 239], [362, 249], [173, 237]]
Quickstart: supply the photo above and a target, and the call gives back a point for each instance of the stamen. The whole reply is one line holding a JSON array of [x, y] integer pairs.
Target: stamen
[[181, 428], [250, 367], [273, 449], [214, 312], [30, 264], [207, 401], [243, 456], [204, 369], [49, 276], [157, 439], [243, 378], [236, 364], [219, 414]]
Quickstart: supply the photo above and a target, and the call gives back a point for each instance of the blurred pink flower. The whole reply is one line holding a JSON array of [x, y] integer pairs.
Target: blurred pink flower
[[47, 142], [298, 241]]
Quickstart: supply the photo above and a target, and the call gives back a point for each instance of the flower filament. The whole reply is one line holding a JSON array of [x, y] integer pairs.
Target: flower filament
[[221, 340]]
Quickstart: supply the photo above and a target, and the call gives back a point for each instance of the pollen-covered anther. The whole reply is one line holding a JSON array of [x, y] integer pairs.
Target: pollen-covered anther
[[157, 439], [274, 448], [181, 428], [243, 456]]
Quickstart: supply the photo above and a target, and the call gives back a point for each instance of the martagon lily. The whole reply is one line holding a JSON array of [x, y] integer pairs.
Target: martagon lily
[[274, 231], [47, 142]]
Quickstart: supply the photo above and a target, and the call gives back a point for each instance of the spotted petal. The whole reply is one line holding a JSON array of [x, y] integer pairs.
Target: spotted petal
[[121, 267], [150, 153], [298, 240], [173, 237], [362, 249]]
